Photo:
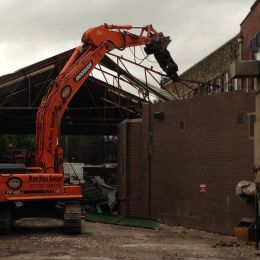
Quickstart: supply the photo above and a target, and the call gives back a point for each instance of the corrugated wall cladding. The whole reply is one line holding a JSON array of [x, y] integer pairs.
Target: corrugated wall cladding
[[212, 149]]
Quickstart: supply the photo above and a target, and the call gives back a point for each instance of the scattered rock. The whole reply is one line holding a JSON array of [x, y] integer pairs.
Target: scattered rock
[[226, 243], [257, 252]]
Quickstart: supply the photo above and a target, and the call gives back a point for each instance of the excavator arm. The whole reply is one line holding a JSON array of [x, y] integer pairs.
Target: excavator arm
[[97, 42]]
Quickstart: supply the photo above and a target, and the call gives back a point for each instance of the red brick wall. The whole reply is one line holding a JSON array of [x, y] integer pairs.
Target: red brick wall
[[212, 149], [249, 27]]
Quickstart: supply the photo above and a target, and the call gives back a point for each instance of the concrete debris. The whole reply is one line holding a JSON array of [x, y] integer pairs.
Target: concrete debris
[[98, 197], [108, 191], [245, 188], [226, 243]]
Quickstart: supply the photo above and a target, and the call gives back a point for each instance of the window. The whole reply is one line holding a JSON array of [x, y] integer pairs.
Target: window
[[251, 125], [257, 54], [219, 83], [234, 83], [255, 46], [211, 85], [251, 84], [225, 82], [181, 124], [240, 118], [245, 84]]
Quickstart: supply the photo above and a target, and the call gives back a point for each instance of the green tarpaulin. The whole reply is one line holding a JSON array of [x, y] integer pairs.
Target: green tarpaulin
[[123, 220]]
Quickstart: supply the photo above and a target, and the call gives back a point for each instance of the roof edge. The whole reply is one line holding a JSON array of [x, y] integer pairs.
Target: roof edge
[[234, 37], [251, 9]]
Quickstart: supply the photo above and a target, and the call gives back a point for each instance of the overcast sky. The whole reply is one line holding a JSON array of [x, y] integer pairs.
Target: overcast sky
[[32, 30]]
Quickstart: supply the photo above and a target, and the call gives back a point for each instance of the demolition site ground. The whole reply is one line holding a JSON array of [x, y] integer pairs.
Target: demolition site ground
[[44, 239]]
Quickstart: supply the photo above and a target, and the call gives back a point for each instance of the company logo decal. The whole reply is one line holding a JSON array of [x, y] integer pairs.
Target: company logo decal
[[83, 72]]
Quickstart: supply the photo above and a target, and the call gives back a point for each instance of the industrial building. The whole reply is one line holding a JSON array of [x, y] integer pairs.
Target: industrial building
[[191, 153], [179, 159]]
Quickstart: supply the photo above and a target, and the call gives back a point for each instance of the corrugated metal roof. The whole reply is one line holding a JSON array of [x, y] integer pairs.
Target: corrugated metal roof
[[97, 108]]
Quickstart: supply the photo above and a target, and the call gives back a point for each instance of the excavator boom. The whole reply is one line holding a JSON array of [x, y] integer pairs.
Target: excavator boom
[[96, 42]]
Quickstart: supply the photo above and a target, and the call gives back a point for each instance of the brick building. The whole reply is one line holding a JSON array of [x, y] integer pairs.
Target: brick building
[[250, 27], [200, 141], [215, 68], [181, 162]]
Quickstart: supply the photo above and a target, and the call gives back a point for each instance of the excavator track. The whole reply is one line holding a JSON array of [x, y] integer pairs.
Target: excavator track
[[72, 218], [6, 222]]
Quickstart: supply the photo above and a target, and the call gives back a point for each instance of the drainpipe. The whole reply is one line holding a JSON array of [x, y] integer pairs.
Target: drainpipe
[[150, 163], [240, 44], [257, 156]]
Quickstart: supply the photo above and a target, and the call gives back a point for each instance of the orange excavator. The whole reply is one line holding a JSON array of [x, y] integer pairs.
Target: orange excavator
[[40, 191]]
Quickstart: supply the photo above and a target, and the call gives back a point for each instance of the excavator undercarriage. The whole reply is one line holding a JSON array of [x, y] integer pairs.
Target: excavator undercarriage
[[68, 211], [6, 218]]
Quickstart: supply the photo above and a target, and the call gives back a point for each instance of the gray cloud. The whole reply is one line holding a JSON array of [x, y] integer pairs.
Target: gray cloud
[[34, 30]]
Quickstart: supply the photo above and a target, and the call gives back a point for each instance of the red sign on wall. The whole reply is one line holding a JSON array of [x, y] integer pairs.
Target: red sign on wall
[[203, 188]]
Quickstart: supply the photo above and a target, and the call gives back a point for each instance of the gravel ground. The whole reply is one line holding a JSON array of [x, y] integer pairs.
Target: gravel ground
[[44, 239]]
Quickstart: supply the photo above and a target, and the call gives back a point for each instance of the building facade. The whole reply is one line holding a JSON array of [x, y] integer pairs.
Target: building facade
[[181, 162], [183, 166]]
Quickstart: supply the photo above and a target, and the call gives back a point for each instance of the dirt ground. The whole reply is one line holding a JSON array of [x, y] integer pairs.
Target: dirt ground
[[44, 239]]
